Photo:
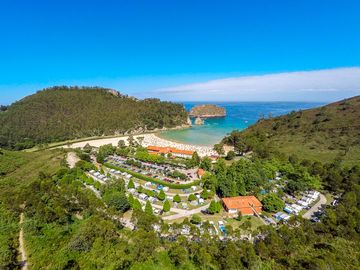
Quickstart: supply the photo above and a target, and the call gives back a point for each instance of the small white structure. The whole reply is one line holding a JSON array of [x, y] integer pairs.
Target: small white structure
[[165, 189], [302, 203], [143, 196], [296, 208]]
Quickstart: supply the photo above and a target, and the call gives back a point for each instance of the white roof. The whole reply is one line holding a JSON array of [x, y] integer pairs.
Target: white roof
[[296, 207]]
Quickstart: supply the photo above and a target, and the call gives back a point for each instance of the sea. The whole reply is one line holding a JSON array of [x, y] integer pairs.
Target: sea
[[239, 115]]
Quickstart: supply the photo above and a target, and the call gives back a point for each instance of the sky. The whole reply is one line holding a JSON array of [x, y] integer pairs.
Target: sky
[[183, 49]]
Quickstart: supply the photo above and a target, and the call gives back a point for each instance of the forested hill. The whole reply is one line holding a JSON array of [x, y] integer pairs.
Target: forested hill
[[325, 133], [62, 113]]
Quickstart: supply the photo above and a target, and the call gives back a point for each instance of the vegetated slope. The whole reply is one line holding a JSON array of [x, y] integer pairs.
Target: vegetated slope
[[62, 113], [207, 110], [323, 133]]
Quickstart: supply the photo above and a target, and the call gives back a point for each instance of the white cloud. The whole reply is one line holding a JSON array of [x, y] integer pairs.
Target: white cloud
[[329, 84]]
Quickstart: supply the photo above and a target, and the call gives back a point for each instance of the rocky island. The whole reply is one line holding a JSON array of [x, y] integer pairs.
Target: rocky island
[[207, 111]]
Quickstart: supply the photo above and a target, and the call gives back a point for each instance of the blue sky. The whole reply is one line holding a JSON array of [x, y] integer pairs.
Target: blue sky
[[144, 47]]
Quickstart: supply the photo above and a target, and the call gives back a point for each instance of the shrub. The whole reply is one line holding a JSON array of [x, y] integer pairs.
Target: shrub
[[131, 184], [214, 207], [204, 194], [177, 198], [148, 208], [195, 219], [166, 206], [161, 195], [191, 198]]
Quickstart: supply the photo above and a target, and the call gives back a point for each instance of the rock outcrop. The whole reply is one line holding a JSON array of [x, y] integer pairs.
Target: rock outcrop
[[199, 121], [207, 111]]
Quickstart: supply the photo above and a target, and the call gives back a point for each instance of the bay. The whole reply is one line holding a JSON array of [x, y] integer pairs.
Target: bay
[[239, 116]]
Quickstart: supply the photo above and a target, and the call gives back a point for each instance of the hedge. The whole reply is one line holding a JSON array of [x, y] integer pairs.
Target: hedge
[[154, 180]]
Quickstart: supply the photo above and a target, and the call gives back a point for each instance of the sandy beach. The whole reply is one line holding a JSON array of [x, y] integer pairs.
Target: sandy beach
[[147, 139]]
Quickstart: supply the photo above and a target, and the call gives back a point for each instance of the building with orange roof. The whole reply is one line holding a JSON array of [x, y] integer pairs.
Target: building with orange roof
[[246, 205], [169, 150]]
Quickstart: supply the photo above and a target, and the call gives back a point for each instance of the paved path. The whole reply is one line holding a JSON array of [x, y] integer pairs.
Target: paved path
[[72, 159], [173, 194], [23, 263], [186, 213], [316, 207]]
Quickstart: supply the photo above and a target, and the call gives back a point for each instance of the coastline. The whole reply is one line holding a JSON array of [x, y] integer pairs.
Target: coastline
[[146, 139]]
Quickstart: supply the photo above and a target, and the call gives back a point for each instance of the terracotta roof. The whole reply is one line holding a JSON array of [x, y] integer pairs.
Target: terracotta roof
[[241, 202], [166, 150], [178, 151], [200, 172]]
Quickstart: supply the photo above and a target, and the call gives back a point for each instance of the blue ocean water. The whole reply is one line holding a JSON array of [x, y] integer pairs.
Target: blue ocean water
[[239, 116]]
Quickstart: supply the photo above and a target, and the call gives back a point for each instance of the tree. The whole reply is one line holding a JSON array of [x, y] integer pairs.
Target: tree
[[240, 146], [166, 206], [131, 184], [195, 159], [121, 144], [206, 163], [140, 139], [209, 181], [131, 140], [178, 255], [219, 148], [214, 207], [131, 200], [87, 148], [3, 108], [104, 151], [148, 208], [195, 219], [161, 195], [177, 198], [230, 155], [272, 203], [191, 198], [137, 205], [204, 194], [117, 200]]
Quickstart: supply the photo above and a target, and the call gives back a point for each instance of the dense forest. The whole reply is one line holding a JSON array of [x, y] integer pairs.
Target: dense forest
[[62, 113], [324, 134]]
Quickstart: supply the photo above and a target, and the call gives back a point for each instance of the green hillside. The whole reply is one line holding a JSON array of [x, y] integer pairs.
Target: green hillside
[[323, 133], [62, 113]]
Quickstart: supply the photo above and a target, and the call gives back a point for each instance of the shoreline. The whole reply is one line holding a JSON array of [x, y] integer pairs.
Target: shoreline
[[147, 139]]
